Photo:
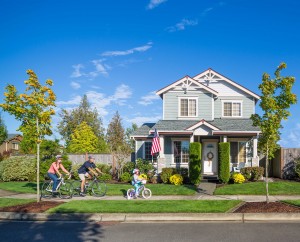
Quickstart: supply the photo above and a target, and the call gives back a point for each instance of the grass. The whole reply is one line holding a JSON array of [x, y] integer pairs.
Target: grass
[[259, 188], [7, 202], [146, 206], [293, 202], [112, 189]]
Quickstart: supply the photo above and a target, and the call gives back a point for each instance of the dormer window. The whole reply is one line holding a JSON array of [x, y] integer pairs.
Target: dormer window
[[188, 107], [232, 109]]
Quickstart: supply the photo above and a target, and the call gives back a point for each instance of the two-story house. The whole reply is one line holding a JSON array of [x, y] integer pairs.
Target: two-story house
[[207, 108]]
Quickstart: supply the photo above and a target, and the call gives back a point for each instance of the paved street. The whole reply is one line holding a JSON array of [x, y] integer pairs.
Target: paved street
[[148, 232]]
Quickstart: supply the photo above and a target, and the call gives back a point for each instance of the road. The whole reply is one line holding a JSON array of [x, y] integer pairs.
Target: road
[[146, 232]]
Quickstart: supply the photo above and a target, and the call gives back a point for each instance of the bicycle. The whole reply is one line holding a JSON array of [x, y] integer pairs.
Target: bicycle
[[64, 188], [96, 187], [146, 192]]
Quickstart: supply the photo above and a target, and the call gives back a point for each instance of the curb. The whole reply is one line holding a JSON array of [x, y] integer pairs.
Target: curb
[[153, 217]]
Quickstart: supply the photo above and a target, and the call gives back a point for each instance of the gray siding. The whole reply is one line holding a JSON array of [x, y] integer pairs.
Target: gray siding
[[171, 105], [247, 106], [139, 149]]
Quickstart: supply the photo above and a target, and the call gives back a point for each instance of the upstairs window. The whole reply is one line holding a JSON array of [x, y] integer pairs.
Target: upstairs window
[[232, 109], [188, 107]]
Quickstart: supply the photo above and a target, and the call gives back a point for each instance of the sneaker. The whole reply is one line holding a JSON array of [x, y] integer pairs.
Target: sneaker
[[82, 194]]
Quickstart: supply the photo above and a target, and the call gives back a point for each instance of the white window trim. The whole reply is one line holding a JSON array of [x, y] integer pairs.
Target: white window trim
[[232, 101], [179, 106], [173, 158]]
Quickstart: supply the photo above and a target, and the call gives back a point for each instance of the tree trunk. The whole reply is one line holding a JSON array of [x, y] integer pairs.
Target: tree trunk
[[38, 164], [267, 176]]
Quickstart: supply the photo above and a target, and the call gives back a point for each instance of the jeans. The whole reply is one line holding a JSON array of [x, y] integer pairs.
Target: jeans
[[54, 178]]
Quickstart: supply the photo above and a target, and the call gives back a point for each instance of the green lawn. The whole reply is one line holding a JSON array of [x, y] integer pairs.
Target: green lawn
[[293, 202], [259, 188], [7, 202], [145, 206], [112, 189]]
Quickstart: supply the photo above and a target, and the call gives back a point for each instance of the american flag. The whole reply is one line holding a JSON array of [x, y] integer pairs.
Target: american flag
[[155, 143]]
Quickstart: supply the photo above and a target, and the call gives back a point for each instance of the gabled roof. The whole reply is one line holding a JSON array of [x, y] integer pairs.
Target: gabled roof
[[186, 82], [211, 75], [200, 123], [11, 137]]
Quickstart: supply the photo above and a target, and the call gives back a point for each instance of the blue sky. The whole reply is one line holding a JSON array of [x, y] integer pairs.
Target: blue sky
[[120, 52]]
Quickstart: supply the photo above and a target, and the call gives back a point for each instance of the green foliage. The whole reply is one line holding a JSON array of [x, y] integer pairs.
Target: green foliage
[[252, 173], [105, 177], [130, 131], [145, 166], [46, 163], [195, 163], [18, 168], [297, 166], [126, 177], [238, 178], [128, 167], [83, 113], [3, 130], [224, 161], [83, 140], [176, 179], [166, 173]]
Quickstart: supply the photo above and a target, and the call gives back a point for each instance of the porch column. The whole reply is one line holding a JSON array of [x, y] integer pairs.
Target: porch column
[[192, 138], [255, 158], [162, 145], [224, 138]]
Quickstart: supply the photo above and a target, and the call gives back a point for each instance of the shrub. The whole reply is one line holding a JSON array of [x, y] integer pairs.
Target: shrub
[[128, 167], [224, 161], [297, 166], [176, 179], [252, 173], [126, 177], [195, 163], [145, 166], [238, 178], [105, 177], [165, 175], [18, 168]]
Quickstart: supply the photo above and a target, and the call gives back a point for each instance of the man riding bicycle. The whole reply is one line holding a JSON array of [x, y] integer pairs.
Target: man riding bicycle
[[87, 170]]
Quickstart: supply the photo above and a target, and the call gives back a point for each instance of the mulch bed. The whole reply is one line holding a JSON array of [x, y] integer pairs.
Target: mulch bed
[[34, 207], [264, 207]]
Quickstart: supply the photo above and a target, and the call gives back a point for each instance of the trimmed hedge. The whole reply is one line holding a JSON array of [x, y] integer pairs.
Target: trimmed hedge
[[224, 162], [252, 173], [195, 163]]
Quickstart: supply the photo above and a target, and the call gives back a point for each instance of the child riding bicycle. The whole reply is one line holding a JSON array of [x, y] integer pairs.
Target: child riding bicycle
[[136, 181]]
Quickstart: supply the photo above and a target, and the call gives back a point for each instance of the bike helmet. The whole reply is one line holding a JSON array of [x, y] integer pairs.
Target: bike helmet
[[135, 170]]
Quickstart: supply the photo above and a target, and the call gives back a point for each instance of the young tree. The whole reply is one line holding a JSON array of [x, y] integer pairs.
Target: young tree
[[117, 143], [83, 113], [3, 130], [83, 140], [130, 131], [34, 109], [276, 99]]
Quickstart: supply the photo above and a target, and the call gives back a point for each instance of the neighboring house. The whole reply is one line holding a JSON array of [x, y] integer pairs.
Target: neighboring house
[[207, 108], [12, 143]]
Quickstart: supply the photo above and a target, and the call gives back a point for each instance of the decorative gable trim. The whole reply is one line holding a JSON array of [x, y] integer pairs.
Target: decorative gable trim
[[202, 122], [185, 83], [210, 75]]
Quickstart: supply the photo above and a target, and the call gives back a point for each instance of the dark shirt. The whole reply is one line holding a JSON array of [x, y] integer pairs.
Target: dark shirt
[[85, 167]]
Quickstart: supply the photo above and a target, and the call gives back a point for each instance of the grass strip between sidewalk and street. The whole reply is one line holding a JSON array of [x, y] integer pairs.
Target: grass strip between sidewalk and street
[[293, 202], [259, 188], [146, 206], [7, 202]]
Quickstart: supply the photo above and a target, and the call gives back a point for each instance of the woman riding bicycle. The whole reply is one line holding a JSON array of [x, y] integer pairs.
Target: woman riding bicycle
[[54, 173]]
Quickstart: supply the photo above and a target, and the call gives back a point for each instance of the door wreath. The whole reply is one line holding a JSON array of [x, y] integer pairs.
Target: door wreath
[[210, 155]]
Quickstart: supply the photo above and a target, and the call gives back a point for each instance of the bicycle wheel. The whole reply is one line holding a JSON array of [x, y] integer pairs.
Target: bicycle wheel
[[130, 193], [46, 191], [146, 193], [76, 188], [65, 190], [99, 188]]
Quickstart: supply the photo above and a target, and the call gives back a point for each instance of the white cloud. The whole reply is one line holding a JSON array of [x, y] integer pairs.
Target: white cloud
[[154, 3], [205, 11], [76, 73], [140, 120], [75, 85], [128, 52], [74, 101], [122, 92], [101, 68], [182, 25], [148, 99]]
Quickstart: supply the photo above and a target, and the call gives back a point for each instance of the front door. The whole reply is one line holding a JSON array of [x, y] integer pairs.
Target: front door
[[209, 158]]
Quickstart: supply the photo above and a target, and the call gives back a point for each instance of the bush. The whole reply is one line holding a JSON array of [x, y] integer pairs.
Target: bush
[[128, 167], [176, 179], [105, 177], [165, 174], [297, 166], [238, 178], [224, 161], [18, 168], [195, 163], [126, 177], [252, 173], [145, 167]]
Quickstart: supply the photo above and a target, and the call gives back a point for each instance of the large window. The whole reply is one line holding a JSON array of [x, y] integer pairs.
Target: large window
[[181, 151], [148, 155], [232, 109], [15, 146], [188, 107], [238, 152]]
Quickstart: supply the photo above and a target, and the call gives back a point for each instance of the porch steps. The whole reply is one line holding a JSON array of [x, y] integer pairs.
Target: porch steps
[[210, 178]]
